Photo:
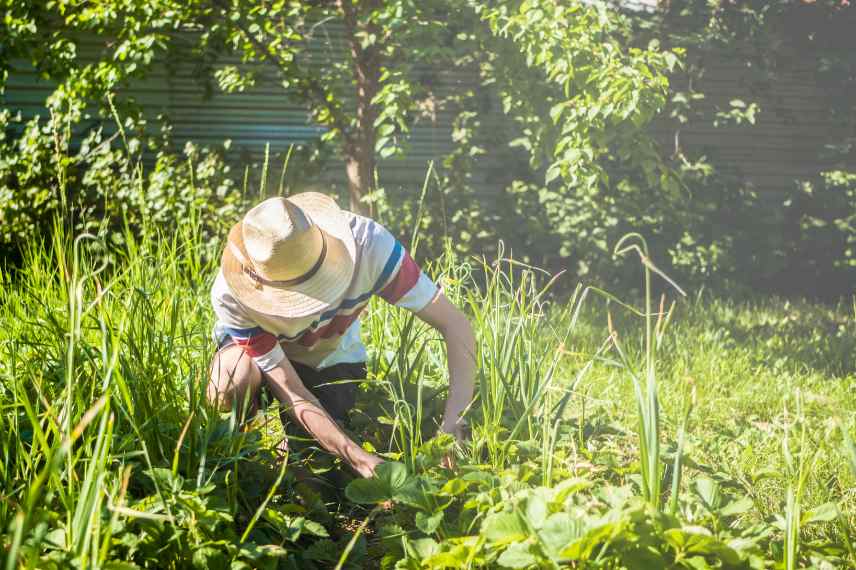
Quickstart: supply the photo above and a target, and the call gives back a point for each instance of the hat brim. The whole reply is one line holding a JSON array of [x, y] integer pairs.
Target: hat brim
[[325, 288]]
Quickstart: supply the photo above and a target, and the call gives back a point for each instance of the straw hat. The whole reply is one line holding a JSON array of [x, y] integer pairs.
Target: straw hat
[[291, 257]]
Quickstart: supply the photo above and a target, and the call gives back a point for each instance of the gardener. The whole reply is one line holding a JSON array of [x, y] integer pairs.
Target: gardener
[[295, 275]]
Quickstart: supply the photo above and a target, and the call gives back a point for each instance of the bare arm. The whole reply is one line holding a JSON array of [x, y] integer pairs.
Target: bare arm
[[306, 409], [457, 332]]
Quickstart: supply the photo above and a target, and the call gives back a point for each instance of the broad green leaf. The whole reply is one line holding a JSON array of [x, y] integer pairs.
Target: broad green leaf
[[677, 538], [258, 552], [454, 487], [56, 538], [389, 477], [321, 551], [478, 476], [292, 527], [648, 559], [315, 528], [556, 111], [696, 563], [821, 513], [208, 557], [570, 486], [699, 540], [414, 495], [737, 507], [582, 548], [708, 491], [553, 172], [743, 545], [536, 508], [455, 558], [428, 523], [422, 548], [503, 528], [517, 555], [559, 531], [367, 491]]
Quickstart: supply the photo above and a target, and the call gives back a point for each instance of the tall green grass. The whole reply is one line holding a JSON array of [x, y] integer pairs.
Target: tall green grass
[[105, 431], [521, 393], [104, 363]]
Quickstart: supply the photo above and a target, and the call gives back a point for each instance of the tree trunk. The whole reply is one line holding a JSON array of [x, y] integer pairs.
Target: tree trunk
[[359, 145], [359, 166]]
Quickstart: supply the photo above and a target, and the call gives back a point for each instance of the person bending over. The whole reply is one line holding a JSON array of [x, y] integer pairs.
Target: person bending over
[[294, 276]]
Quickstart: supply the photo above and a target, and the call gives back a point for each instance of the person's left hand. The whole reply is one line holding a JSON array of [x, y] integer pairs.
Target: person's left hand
[[456, 428], [460, 432]]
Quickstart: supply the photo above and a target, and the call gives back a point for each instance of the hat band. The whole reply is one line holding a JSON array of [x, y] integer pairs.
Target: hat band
[[290, 282]]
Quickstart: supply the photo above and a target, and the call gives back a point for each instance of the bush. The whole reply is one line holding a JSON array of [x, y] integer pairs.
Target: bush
[[820, 236], [106, 182]]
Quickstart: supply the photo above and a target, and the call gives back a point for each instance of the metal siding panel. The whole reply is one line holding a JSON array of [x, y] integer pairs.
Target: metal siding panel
[[792, 125]]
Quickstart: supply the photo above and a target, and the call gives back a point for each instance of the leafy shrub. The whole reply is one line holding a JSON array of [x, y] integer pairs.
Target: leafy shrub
[[127, 177], [576, 98], [540, 161], [819, 252], [81, 162]]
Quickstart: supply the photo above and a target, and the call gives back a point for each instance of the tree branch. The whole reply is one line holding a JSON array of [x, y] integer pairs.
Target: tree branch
[[317, 91]]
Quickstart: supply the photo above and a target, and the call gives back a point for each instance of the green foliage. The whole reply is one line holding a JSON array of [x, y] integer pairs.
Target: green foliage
[[46, 35], [820, 244], [102, 184], [387, 484], [83, 161], [692, 203], [110, 456], [364, 89], [596, 93], [729, 232], [509, 518], [571, 166], [574, 165], [501, 522]]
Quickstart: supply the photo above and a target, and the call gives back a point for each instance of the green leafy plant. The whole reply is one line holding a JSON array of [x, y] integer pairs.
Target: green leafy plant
[[110, 456]]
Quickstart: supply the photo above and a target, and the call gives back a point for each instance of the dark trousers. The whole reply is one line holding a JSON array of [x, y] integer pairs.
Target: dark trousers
[[334, 386]]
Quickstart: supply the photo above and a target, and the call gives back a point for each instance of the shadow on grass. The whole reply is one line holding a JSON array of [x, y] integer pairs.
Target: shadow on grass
[[798, 336]]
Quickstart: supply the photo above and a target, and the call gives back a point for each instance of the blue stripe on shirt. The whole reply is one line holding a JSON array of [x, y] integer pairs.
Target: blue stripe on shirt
[[387, 269], [243, 333]]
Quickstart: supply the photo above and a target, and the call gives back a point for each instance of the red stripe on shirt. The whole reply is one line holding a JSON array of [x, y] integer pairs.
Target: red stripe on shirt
[[336, 327], [257, 345], [405, 279]]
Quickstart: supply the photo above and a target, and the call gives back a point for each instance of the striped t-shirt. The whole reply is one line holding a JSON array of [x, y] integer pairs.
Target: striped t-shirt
[[382, 267]]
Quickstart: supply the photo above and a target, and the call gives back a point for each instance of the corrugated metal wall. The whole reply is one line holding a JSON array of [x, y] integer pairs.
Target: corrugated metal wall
[[263, 116], [792, 127]]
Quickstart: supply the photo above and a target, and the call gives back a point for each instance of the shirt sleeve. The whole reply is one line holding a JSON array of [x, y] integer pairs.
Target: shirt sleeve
[[233, 321], [401, 282]]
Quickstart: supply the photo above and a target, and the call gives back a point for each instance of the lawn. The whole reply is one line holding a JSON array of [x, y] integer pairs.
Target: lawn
[[719, 435]]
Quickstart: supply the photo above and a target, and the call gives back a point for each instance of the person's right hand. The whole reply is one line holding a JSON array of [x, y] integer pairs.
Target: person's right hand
[[366, 465]]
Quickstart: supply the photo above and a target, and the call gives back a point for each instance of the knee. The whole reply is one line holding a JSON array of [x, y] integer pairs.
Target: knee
[[233, 376]]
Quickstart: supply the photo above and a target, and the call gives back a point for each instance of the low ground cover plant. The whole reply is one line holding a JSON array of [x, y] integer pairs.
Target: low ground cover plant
[[701, 434]]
